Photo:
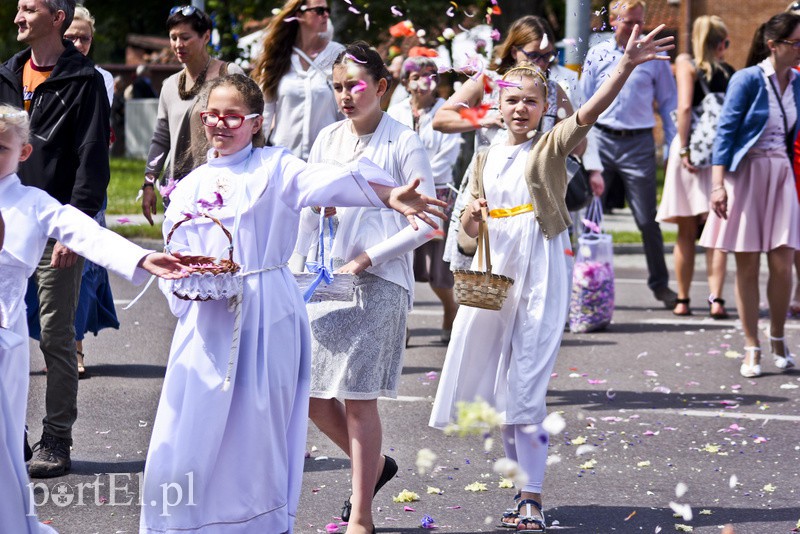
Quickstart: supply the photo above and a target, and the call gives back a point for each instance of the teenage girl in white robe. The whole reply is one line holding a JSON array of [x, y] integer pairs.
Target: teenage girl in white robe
[[33, 216], [233, 454], [506, 357]]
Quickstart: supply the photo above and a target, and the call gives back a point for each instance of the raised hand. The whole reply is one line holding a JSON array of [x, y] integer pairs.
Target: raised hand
[[411, 203], [164, 266], [647, 48]]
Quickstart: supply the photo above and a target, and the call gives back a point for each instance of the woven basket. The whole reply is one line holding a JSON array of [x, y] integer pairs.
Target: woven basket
[[204, 267], [481, 289]]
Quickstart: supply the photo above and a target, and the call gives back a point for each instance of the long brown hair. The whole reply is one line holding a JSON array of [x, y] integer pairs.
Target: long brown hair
[[276, 53], [522, 31]]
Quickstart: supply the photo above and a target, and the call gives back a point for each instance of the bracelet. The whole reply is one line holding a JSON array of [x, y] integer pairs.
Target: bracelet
[[717, 188], [149, 179], [685, 151]]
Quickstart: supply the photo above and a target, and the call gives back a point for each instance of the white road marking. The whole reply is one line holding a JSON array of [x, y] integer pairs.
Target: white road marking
[[121, 302], [434, 313], [407, 398]]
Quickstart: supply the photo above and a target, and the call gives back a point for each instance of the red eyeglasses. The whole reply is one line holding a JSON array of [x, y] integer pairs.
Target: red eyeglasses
[[231, 121]]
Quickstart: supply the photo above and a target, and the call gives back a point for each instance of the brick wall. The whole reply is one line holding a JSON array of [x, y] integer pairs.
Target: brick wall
[[742, 18]]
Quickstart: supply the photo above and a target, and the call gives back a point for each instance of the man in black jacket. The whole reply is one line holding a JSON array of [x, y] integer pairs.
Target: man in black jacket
[[66, 99]]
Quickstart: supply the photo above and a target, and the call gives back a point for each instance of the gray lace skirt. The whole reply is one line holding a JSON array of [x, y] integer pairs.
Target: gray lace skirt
[[358, 346]]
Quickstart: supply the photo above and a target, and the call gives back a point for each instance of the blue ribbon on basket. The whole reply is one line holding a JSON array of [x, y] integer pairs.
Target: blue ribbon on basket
[[324, 272]]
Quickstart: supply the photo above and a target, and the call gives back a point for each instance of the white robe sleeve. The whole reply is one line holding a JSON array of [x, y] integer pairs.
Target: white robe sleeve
[[414, 164], [81, 234]]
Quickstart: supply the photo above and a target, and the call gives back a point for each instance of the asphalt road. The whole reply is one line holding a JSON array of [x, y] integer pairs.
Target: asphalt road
[[658, 398]]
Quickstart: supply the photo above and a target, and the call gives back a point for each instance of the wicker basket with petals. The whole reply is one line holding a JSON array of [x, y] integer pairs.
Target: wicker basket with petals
[[211, 278], [482, 289]]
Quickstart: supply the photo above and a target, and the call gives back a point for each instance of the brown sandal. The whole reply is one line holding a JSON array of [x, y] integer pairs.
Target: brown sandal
[[81, 367]]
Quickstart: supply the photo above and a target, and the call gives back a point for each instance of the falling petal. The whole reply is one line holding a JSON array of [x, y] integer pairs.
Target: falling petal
[[408, 509], [544, 43], [396, 12], [733, 481], [360, 87], [584, 449], [683, 510], [426, 459], [554, 423], [123, 220], [680, 490], [351, 57]]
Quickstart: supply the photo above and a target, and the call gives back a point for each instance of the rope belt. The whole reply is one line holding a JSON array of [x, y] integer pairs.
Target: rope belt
[[499, 213]]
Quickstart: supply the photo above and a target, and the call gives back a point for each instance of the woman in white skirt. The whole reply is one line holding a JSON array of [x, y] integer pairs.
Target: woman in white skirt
[[506, 357], [753, 195], [686, 186], [358, 346]]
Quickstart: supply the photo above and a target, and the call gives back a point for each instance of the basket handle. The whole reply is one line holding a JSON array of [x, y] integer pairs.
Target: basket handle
[[214, 220], [483, 241]]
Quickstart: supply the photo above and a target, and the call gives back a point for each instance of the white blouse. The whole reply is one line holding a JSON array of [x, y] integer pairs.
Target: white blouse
[[305, 104], [774, 135]]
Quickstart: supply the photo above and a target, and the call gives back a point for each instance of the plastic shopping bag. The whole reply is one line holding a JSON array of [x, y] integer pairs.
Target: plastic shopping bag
[[591, 305]]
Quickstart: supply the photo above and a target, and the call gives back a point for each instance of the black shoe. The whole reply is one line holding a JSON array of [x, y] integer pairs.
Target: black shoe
[[27, 448], [52, 458], [388, 473], [667, 296]]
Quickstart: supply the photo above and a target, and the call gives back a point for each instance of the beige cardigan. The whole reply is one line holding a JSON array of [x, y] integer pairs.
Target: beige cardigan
[[545, 174]]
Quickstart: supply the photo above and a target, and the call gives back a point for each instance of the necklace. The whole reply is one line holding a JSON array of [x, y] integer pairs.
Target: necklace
[[198, 83]]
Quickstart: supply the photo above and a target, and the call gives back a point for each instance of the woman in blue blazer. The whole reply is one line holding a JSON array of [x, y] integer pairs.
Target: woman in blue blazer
[[753, 200]]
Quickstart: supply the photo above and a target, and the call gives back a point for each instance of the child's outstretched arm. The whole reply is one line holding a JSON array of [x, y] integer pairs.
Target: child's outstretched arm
[[638, 51], [166, 266], [407, 201]]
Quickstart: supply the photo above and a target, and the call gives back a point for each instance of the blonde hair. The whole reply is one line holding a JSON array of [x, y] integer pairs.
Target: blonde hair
[[615, 7], [708, 32], [81, 13], [530, 70], [15, 120]]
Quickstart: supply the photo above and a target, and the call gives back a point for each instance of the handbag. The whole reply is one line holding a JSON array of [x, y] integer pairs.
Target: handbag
[[704, 128], [579, 191]]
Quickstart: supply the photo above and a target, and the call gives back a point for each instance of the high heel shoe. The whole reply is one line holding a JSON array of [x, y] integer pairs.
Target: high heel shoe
[[782, 361], [751, 370]]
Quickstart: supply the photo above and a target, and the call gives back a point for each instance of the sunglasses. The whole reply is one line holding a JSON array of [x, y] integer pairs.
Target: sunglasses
[[186, 11], [231, 121], [793, 43], [319, 10], [546, 57], [78, 38], [727, 43], [794, 7]]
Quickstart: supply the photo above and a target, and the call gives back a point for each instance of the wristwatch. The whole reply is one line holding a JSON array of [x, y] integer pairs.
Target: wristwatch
[[149, 181], [684, 151]]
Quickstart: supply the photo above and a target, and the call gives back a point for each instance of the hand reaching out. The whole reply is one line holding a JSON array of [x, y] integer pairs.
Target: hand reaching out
[[409, 202], [647, 48], [164, 266]]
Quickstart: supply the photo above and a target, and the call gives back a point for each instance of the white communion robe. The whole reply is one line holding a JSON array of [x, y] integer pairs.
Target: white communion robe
[[31, 217], [236, 456], [506, 357]]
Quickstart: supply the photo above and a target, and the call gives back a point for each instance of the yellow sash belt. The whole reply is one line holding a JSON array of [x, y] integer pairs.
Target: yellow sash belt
[[510, 212]]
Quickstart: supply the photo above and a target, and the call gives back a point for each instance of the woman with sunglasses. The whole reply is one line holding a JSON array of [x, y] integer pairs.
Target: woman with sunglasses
[[687, 186], [753, 197], [294, 72], [179, 135]]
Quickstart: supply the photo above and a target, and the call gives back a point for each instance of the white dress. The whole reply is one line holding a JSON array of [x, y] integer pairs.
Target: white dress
[[505, 357], [305, 104], [31, 217], [237, 455]]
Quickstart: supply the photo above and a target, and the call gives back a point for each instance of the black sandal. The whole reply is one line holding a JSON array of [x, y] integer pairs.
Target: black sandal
[[682, 301], [718, 316], [528, 519], [388, 473]]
